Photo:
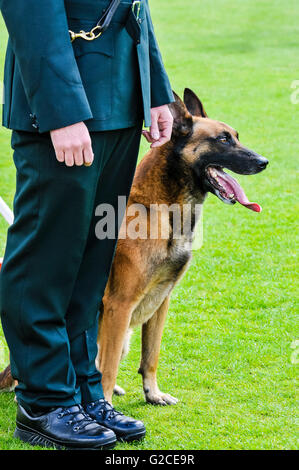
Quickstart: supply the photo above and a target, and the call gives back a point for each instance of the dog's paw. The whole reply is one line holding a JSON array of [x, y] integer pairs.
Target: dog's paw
[[119, 391], [159, 398]]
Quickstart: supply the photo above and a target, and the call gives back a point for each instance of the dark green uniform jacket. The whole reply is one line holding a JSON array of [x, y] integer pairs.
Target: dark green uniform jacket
[[51, 83]]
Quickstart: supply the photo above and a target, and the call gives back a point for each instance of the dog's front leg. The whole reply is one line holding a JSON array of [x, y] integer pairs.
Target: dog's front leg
[[151, 342], [112, 333]]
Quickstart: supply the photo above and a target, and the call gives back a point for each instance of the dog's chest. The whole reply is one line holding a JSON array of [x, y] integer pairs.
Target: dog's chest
[[162, 282]]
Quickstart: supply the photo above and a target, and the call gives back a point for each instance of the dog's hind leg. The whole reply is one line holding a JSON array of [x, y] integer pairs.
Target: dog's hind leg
[[151, 341]]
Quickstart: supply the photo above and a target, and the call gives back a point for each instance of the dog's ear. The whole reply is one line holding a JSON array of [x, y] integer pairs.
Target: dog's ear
[[182, 119], [193, 104]]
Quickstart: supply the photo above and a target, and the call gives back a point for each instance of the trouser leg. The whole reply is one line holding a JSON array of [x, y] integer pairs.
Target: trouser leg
[[53, 209], [116, 178], [83, 354]]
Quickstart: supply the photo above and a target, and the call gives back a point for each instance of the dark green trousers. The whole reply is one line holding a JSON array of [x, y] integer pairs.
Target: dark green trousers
[[55, 269]]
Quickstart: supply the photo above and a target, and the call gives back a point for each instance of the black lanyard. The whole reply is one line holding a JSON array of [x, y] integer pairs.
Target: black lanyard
[[101, 26]]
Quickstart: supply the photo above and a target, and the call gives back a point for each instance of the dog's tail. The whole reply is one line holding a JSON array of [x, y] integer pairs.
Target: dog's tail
[[7, 382]]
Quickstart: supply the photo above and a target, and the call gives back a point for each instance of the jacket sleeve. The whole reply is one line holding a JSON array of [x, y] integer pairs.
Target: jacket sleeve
[[40, 40], [161, 92]]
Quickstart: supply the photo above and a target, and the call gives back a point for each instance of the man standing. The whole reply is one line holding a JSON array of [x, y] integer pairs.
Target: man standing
[[75, 102]]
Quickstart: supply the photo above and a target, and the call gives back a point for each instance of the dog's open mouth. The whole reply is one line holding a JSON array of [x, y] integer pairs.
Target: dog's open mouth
[[228, 189]]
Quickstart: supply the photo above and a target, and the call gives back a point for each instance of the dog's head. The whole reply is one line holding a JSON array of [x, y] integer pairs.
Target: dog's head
[[208, 146]]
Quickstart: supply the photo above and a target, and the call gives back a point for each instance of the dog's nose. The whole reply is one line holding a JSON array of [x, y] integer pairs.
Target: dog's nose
[[262, 163]]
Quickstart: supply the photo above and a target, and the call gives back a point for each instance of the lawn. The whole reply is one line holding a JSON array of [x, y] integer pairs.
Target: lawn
[[226, 350]]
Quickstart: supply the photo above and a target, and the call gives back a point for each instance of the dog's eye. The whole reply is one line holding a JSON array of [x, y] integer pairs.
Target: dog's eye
[[224, 138]]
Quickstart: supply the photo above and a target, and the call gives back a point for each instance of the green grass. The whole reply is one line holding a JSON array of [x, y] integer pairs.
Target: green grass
[[226, 351]]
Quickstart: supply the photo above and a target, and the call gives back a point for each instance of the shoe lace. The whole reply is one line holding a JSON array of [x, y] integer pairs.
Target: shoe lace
[[79, 419], [106, 409]]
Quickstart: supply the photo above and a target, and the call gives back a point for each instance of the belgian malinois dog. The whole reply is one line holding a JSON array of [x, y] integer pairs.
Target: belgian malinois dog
[[146, 269]]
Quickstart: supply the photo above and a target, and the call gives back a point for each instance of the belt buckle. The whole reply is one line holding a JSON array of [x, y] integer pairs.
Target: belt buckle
[[136, 8]]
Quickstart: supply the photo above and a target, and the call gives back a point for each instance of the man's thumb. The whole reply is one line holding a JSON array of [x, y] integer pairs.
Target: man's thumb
[[155, 133]]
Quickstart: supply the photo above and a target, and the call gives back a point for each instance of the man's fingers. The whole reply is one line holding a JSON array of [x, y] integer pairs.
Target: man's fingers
[[168, 130], [69, 158], [148, 136], [60, 155], [159, 142], [78, 157], [165, 134], [161, 128], [154, 129], [88, 155], [72, 144]]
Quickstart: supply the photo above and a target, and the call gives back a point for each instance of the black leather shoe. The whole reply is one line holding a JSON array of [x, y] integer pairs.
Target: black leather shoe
[[126, 429], [63, 428]]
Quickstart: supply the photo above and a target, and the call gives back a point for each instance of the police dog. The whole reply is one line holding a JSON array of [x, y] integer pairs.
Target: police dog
[[146, 269]]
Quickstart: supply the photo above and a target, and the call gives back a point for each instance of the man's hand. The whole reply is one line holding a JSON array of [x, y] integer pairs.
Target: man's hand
[[161, 128], [72, 145]]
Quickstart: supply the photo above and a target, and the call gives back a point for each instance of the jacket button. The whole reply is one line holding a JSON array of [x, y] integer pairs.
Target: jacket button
[[34, 121]]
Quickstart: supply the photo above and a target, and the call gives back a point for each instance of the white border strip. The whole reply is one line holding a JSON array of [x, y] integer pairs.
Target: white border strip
[[6, 212]]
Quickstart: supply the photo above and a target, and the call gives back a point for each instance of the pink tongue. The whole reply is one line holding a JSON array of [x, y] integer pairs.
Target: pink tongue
[[231, 186]]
